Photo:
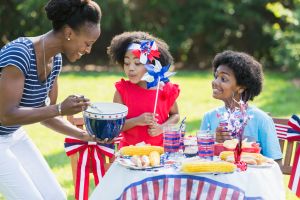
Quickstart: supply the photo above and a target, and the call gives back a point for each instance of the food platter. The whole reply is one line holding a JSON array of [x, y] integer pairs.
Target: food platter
[[264, 165], [127, 163]]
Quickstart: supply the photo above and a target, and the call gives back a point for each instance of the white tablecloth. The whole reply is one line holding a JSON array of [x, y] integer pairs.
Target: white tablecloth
[[255, 183]]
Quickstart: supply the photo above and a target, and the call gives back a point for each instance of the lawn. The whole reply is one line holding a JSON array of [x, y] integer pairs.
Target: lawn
[[279, 97]]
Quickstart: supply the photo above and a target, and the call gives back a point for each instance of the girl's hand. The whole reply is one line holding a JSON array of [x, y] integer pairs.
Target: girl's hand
[[222, 134], [146, 119], [155, 130], [74, 104]]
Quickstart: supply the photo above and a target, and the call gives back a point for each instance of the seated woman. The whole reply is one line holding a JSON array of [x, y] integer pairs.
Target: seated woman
[[238, 76]]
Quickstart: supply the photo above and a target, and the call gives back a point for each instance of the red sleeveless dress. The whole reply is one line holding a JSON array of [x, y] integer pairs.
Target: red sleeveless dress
[[140, 100]]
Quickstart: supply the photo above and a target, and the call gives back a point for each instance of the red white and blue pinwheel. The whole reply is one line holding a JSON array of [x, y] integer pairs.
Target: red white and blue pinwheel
[[157, 75], [147, 52]]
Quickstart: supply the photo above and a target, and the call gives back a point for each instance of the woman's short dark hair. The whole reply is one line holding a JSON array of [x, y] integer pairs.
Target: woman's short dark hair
[[120, 43], [247, 71], [73, 13]]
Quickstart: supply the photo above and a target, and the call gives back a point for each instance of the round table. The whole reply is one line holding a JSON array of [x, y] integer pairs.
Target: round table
[[167, 183]]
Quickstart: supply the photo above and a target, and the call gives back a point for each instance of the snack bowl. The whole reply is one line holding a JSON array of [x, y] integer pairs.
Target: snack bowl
[[105, 120]]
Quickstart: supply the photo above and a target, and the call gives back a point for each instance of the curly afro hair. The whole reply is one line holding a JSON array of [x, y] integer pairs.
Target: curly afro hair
[[247, 71], [120, 43]]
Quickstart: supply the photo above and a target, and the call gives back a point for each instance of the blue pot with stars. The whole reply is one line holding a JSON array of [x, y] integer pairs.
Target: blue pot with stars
[[105, 120]]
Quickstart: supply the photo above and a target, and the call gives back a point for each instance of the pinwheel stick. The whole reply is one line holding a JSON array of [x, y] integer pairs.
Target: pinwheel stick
[[156, 96]]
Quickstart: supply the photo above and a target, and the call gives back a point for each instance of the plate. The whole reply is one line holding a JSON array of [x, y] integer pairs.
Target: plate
[[269, 163], [265, 165], [127, 163]]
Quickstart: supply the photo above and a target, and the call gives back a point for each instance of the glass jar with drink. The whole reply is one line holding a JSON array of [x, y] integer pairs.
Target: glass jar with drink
[[206, 141], [171, 139]]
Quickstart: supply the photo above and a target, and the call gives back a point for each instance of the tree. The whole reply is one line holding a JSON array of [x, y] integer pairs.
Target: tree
[[195, 30]]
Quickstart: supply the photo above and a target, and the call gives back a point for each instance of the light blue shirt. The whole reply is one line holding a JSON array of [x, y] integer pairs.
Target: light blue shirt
[[260, 127]]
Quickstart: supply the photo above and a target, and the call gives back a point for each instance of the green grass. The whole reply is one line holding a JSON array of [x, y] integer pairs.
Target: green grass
[[279, 97]]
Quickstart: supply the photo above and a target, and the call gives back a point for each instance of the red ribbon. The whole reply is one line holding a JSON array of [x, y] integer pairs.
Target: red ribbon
[[88, 151], [237, 157], [241, 165]]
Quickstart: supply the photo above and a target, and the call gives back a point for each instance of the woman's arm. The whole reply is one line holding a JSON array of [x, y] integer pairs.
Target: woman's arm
[[61, 125], [11, 89]]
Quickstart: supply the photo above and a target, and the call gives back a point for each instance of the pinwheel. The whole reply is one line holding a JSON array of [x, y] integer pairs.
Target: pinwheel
[[157, 76], [147, 51]]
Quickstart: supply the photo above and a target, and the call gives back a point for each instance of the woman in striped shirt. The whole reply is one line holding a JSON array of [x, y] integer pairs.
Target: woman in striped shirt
[[29, 68]]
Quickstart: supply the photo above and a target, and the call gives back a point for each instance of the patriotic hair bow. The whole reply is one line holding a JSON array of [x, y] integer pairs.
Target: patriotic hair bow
[[147, 51], [89, 153], [157, 75]]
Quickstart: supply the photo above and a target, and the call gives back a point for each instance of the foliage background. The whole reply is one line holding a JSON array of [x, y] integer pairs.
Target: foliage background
[[195, 30]]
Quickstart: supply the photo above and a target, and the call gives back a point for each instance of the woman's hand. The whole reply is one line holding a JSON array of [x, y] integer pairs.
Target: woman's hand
[[74, 104], [155, 130], [91, 138], [105, 141], [222, 134], [87, 137]]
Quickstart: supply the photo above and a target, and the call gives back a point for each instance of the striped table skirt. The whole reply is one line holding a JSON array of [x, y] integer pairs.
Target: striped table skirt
[[167, 184]]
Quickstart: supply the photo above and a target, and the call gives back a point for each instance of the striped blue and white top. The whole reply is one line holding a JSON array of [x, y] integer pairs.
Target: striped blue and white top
[[20, 53]]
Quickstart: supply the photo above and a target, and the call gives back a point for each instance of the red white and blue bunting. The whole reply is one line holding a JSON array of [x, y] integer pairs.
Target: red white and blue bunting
[[182, 187], [89, 153], [294, 183], [290, 132]]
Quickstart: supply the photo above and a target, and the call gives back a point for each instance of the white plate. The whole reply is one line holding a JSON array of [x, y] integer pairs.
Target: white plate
[[126, 162], [268, 164], [265, 165]]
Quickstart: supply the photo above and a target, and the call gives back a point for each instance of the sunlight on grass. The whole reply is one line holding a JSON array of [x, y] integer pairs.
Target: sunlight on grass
[[279, 97]]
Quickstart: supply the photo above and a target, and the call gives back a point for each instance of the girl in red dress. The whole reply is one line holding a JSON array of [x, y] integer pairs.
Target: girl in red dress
[[141, 124]]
